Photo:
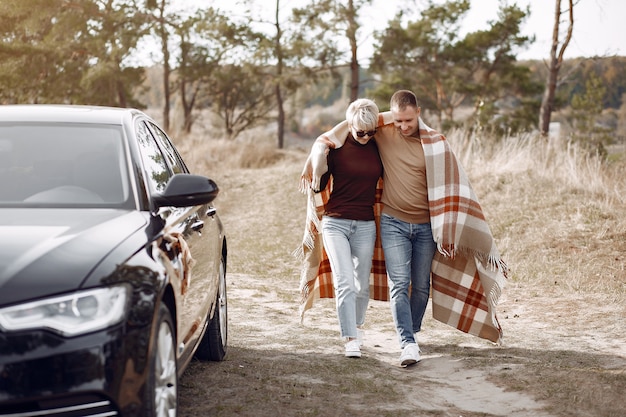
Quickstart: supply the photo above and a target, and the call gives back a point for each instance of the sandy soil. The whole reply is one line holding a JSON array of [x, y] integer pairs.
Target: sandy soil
[[564, 350], [277, 366]]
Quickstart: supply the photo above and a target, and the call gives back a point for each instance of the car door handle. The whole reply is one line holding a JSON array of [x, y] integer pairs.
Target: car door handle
[[197, 225], [211, 211]]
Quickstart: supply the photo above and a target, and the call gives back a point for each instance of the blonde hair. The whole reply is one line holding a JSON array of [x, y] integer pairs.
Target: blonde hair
[[362, 114]]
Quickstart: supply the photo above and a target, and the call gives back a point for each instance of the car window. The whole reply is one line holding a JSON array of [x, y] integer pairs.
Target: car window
[[62, 165], [157, 171], [173, 158]]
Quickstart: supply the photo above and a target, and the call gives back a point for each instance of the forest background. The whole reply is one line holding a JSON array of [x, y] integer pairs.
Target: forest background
[[556, 207], [242, 73]]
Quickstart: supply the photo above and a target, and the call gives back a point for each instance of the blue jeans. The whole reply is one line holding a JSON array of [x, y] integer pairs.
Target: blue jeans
[[409, 249], [349, 245]]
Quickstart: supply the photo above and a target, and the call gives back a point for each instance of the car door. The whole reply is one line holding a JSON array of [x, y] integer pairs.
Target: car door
[[195, 234]]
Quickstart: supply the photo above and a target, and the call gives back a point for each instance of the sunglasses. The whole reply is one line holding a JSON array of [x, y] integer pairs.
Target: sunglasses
[[361, 133]]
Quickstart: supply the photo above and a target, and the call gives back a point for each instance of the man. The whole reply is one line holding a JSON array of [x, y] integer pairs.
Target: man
[[428, 204]]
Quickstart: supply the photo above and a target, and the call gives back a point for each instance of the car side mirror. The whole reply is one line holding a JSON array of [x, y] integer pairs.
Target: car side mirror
[[184, 190]]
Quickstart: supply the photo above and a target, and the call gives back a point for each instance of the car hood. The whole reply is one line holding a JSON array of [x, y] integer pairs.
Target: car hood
[[50, 251]]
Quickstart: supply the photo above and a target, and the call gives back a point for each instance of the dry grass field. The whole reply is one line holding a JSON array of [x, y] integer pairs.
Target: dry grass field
[[560, 222]]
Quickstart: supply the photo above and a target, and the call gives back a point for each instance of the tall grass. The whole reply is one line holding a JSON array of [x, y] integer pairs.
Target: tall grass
[[562, 163], [559, 220], [558, 214]]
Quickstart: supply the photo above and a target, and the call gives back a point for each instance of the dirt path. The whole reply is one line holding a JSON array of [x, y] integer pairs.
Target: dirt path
[[279, 367]]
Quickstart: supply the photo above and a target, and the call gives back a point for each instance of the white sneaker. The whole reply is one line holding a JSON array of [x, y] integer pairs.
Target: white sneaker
[[352, 349], [410, 355]]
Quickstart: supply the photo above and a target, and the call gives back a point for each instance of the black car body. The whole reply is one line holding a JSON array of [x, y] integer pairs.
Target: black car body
[[112, 264]]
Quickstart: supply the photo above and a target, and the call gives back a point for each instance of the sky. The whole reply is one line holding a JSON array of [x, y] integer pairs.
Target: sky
[[598, 24]]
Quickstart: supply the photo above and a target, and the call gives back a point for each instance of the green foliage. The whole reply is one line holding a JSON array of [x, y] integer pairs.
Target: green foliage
[[81, 52], [586, 107], [319, 42], [429, 56], [41, 54], [611, 70], [244, 104], [209, 43], [70, 52], [332, 24]]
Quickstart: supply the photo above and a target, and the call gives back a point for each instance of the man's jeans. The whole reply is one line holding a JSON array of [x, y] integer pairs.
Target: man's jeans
[[350, 247], [409, 250]]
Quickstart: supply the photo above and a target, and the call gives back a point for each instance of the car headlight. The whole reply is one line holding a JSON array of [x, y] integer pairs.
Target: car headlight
[[69, 315]]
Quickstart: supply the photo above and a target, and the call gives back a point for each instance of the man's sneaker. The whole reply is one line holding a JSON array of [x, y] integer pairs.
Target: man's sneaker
[[360, 336], [410, 355], [352, 349]]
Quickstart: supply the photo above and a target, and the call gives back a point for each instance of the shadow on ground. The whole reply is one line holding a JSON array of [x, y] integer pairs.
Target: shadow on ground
[[450, 381]]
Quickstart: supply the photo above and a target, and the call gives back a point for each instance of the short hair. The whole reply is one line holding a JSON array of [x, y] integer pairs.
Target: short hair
[[362, 114], [403, 98]]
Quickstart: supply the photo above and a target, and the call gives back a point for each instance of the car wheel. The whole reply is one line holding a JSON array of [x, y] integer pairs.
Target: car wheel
[[161, 395], [213, 344]]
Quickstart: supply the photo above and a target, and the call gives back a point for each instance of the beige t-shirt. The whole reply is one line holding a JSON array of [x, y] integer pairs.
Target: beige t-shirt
[[405, 192]]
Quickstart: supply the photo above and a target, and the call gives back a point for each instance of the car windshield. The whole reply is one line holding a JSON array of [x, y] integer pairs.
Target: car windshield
[[62, 165]]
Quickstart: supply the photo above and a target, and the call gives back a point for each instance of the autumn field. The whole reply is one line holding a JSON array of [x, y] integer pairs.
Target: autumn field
[[559, 218]]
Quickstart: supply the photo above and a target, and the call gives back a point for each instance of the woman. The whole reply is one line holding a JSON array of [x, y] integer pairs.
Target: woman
[[348, 226]]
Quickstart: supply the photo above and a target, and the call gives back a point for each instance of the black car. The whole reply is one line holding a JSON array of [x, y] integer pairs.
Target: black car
[[112, 264]]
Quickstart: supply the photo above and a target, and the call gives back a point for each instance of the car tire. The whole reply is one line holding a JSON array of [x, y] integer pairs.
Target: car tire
[[214, 342], [161, 393]]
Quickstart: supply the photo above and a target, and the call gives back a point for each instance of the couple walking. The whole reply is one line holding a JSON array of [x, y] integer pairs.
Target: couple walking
[[389, 206]]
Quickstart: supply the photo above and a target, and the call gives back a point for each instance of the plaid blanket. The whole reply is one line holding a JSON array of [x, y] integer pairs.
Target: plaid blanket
[[316, 280], [467, 272]]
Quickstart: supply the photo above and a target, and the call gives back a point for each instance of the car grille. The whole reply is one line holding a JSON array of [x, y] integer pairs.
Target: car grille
[[83, 406]]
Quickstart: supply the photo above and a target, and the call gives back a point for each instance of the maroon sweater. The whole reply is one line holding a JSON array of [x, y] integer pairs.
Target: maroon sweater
[[355, 169]]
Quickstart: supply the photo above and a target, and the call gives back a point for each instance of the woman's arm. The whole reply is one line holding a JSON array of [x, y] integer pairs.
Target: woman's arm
[[317, 164]]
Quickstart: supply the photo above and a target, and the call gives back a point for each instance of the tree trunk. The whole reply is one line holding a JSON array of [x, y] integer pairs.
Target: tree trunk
[[279, 73], [354, 63], [556, 60], [281, 117], [547, 102], [166, 66], [188, 94], [121, 94], [187, 121]]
